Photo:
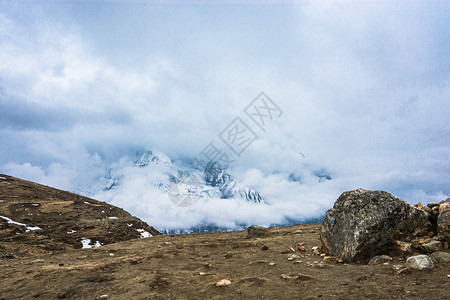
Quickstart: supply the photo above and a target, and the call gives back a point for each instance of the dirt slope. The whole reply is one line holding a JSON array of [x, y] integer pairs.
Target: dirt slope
[[270, 265], [57, 220]]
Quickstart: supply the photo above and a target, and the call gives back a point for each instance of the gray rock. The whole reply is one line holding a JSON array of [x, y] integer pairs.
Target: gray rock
[[440, 257], [380, 259], [364, 222], [443, 220], [256, 230], [431, 247], [420, 262]]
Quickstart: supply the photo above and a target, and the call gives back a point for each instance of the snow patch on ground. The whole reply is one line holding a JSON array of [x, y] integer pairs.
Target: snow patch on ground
[[3, 178], [28, 228], [144, 234], [85, 202], [87, 243], [113, 218]]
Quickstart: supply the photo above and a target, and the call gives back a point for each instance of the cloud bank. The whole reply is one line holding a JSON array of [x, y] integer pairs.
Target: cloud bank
[[364, 89]]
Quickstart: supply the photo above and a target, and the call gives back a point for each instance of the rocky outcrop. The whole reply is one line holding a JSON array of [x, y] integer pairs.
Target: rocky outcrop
[[443, 221], [363, 223]]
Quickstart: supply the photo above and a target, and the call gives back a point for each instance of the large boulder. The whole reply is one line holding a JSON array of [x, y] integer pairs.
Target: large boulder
[[362, 222], [443, 221]]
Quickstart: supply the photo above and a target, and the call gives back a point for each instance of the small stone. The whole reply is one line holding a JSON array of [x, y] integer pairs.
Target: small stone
[[272, 264], [38, 260], [397, 267], [223, 282], [292, 249], [431, 247], [380, 259], [420, 262], [448, 276], [302, 248], [315, 250], [418, 205], [303, 277], [298, 276], [404, 271], [202, 273], [440, 257], [402, 247], [265, 247], [298, 232], [293, 256], [255, 230], [104, 297]]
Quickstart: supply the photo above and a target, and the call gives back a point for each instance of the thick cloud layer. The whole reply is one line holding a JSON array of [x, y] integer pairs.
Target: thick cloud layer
[[364, 90]]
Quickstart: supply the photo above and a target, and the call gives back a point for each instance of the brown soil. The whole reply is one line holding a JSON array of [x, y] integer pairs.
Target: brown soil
[[64, 218], [188, 266]]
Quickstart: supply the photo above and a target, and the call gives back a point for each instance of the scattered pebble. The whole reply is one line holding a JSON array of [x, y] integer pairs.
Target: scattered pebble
[[380, 259], [293, 256], [223, 282], [264, 247]]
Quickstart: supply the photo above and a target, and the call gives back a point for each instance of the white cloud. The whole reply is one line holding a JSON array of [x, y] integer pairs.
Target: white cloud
[[364, 89]]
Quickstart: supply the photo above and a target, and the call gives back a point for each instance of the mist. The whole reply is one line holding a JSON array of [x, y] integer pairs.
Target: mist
[[363, 88]]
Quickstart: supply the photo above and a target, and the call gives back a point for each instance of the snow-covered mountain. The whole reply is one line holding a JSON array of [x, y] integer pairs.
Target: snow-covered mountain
[[184, 179]]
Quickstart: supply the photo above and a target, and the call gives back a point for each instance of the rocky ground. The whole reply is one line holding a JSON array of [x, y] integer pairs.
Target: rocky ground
[[188, 267], [274, 263]]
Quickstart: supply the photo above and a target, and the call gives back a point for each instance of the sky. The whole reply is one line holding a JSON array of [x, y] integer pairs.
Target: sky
[[364, 89]]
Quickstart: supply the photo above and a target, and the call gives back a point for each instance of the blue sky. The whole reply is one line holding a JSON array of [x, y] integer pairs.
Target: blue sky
[[364, 86]]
